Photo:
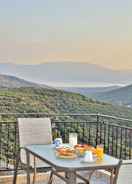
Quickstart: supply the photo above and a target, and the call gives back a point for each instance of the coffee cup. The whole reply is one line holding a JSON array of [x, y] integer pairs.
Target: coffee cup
[[88, 157]]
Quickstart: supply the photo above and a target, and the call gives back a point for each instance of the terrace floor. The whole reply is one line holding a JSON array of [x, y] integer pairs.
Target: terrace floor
[[97, 178]]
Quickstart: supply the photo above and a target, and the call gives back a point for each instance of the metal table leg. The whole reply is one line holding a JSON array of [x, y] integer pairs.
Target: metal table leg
[[71, 177]]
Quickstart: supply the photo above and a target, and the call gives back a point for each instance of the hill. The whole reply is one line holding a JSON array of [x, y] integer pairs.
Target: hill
[[54, 101], [88, 90], [7, 81], [121, 96]]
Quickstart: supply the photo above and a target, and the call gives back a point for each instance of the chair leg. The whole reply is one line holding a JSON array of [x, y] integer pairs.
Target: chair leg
[[34, 172], [16, 168], [90, 175], [34, 175], [112, 176], [50, 178]]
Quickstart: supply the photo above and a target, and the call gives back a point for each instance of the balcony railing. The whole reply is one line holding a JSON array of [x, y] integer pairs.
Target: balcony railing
[[91, 128]]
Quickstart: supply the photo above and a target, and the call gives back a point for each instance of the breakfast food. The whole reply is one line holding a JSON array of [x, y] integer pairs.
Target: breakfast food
[[78, 150], [81, 148], [66, 153]]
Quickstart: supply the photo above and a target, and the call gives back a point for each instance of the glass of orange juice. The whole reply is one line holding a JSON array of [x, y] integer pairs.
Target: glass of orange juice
[[100, 151]]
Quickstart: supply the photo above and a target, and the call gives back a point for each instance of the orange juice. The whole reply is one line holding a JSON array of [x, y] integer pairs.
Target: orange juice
[[100, 151]]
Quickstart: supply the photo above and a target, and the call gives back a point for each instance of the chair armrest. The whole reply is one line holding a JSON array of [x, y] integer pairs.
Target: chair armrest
[[126, 162]]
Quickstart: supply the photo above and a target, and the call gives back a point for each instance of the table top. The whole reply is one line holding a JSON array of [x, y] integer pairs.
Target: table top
[[47, 154]]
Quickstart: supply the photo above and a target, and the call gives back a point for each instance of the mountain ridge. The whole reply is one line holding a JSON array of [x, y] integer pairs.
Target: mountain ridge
[[88, 90], [66, 72], [120, 96], [9, 81]]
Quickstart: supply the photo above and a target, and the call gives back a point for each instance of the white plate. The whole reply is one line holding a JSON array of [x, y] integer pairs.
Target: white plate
[[90, 161]]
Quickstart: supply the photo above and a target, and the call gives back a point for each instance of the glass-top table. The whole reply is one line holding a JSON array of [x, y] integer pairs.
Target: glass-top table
[[70, 166]]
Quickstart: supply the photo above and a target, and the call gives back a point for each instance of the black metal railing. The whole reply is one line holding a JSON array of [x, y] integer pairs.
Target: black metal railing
[[91, 128]]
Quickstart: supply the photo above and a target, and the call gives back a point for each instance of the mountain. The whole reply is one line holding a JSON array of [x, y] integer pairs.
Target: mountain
[[34, 100], [66, 72], [87, 91], [7, 81], [121, 96]]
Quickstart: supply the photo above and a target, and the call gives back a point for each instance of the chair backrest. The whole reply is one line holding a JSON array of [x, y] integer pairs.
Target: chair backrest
[[34, 131], [125, 173]]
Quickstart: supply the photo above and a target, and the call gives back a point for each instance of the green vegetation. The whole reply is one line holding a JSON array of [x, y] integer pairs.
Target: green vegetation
[[50, 101]]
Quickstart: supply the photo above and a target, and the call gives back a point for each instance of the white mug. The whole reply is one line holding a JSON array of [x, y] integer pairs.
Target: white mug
[[88, 156]]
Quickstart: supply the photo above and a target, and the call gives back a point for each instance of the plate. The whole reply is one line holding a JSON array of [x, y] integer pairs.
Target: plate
[[93, 161], [73, 156]]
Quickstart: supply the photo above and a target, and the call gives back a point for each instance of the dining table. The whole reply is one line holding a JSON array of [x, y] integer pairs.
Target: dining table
[[47, 153]]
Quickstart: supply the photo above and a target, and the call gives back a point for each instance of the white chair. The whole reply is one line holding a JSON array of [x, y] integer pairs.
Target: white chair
[[124, 176], [125, 173], [33, 131]]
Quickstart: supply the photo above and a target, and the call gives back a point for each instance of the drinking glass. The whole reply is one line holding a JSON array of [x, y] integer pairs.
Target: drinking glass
[[73, 139], [100, 151]]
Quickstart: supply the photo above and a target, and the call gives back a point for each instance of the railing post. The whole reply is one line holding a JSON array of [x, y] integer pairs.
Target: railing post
[[97, 129]]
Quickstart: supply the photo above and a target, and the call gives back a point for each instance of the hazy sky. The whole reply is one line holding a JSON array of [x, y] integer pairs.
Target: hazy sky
[[93, 31]]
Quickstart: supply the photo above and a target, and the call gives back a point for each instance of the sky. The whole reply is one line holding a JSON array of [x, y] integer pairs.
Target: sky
[[92, 31]]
